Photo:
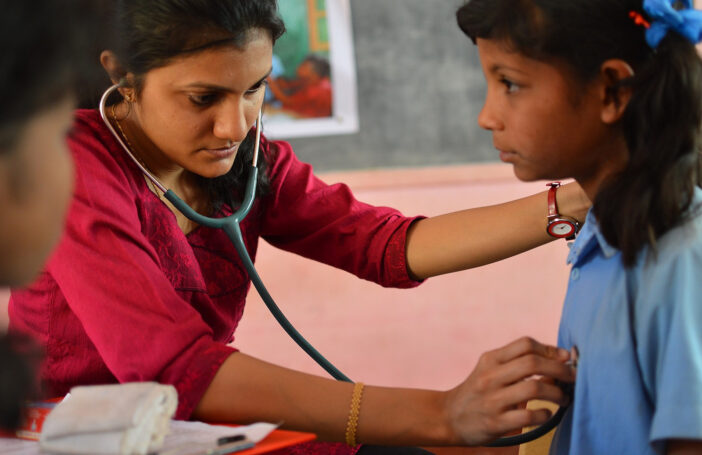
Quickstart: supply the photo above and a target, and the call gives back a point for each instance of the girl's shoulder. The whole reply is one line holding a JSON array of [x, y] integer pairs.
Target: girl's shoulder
[[681, 247], [666, 279]]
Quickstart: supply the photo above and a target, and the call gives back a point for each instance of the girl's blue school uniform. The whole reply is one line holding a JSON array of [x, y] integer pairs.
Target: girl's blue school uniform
[[639, 336]]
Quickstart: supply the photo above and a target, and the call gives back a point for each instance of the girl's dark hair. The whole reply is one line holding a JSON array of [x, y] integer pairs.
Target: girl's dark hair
[[661, 123], [152, 33]]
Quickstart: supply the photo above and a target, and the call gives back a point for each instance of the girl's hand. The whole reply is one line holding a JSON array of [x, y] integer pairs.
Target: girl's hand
[[487, 404]]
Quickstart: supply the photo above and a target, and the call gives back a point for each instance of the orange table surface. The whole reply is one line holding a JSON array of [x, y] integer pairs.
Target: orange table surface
[[279, 439]]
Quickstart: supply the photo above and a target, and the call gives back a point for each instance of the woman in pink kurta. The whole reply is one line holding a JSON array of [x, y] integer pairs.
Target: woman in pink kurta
[[136, 292], [128, 297]]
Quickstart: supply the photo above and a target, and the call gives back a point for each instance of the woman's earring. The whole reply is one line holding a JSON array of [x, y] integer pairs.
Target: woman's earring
[[129, 98]]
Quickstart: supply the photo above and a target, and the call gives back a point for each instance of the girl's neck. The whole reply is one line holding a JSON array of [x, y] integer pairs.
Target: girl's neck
[[617, 156]]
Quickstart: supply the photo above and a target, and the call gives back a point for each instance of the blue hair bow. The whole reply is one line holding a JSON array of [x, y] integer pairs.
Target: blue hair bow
[[686, 22]]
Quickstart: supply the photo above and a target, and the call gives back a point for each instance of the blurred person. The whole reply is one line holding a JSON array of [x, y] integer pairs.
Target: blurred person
[[40, 44]]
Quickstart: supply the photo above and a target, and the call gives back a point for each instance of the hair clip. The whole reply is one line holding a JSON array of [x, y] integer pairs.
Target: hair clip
[[639, 19]]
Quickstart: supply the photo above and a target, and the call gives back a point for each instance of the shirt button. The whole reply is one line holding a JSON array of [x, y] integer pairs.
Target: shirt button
[[575, 274]]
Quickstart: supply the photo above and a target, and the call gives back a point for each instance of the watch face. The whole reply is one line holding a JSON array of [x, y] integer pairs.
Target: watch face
[[561, 228]]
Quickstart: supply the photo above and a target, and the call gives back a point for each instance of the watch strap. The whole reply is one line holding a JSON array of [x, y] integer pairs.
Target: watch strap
[[552, 204]]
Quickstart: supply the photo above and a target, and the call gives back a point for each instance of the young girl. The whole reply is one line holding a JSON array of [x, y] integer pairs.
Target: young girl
[[138, 292], [609, 92]]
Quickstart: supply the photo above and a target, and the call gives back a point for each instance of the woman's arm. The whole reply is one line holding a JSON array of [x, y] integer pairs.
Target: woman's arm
[[483, 407], [475, 237]]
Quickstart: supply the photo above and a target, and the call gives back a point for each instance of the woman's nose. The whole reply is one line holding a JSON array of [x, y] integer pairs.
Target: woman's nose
[[232, 122]]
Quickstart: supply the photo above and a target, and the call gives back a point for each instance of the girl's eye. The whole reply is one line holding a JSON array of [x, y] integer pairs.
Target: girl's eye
[[509, 85], [203, 99]]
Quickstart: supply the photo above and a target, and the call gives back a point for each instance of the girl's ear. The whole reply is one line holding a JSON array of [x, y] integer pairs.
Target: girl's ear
[[615, 94]]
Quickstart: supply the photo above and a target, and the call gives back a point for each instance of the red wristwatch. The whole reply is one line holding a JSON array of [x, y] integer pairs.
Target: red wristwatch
[[559, 226]]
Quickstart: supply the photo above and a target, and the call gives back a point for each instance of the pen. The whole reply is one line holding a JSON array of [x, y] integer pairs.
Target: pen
[[225, 445], [230, 447], [227, 439]]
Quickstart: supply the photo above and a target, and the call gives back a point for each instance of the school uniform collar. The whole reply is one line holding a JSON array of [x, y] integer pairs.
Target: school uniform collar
[[589, 238]]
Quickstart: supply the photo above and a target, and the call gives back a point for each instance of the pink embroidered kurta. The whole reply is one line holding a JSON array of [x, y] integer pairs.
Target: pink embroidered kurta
[[127, 296]]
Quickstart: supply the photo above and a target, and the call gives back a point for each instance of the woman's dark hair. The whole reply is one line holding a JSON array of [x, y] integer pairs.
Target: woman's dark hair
[[152, 33], [661, 123], [42, 46]]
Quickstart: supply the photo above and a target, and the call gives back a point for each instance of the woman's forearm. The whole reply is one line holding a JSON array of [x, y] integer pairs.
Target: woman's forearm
[[475, 237], [246, 390]]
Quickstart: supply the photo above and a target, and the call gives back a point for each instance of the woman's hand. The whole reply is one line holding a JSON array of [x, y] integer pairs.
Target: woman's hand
[[487, 404]]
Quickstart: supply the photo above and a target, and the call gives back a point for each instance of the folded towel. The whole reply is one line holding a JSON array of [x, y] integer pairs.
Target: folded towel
[[124, 419]]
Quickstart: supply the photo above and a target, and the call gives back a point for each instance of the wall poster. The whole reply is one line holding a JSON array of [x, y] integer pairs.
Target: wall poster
[[312, 89]]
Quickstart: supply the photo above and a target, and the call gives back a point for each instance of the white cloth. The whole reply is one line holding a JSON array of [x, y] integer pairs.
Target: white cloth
[[124, 419], [184, 438]]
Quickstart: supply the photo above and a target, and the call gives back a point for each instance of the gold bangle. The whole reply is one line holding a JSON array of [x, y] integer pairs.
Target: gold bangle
[[352, 423]]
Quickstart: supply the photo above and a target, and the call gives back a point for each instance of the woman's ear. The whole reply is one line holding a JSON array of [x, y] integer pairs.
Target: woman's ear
[[117, 73], [615, 93], [109, 61]]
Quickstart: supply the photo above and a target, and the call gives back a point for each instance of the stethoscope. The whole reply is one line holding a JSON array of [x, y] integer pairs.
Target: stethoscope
[[231, 226]]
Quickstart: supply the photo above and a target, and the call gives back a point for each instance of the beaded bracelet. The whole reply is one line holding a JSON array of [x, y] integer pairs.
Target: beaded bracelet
[[352, 423]]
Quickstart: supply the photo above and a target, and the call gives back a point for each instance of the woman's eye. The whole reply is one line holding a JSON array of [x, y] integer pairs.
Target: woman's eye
[[256, 88], [203, 100]]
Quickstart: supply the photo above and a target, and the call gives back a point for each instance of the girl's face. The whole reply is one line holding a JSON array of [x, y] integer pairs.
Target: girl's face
[[194, 113], [542, 122], [36, 179]]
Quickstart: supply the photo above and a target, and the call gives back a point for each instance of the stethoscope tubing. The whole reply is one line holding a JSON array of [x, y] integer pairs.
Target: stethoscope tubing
[[231, 226], [531, 435]]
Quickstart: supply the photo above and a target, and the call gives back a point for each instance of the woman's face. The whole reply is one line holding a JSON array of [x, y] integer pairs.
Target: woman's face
[[194, 112], [36, 180]]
